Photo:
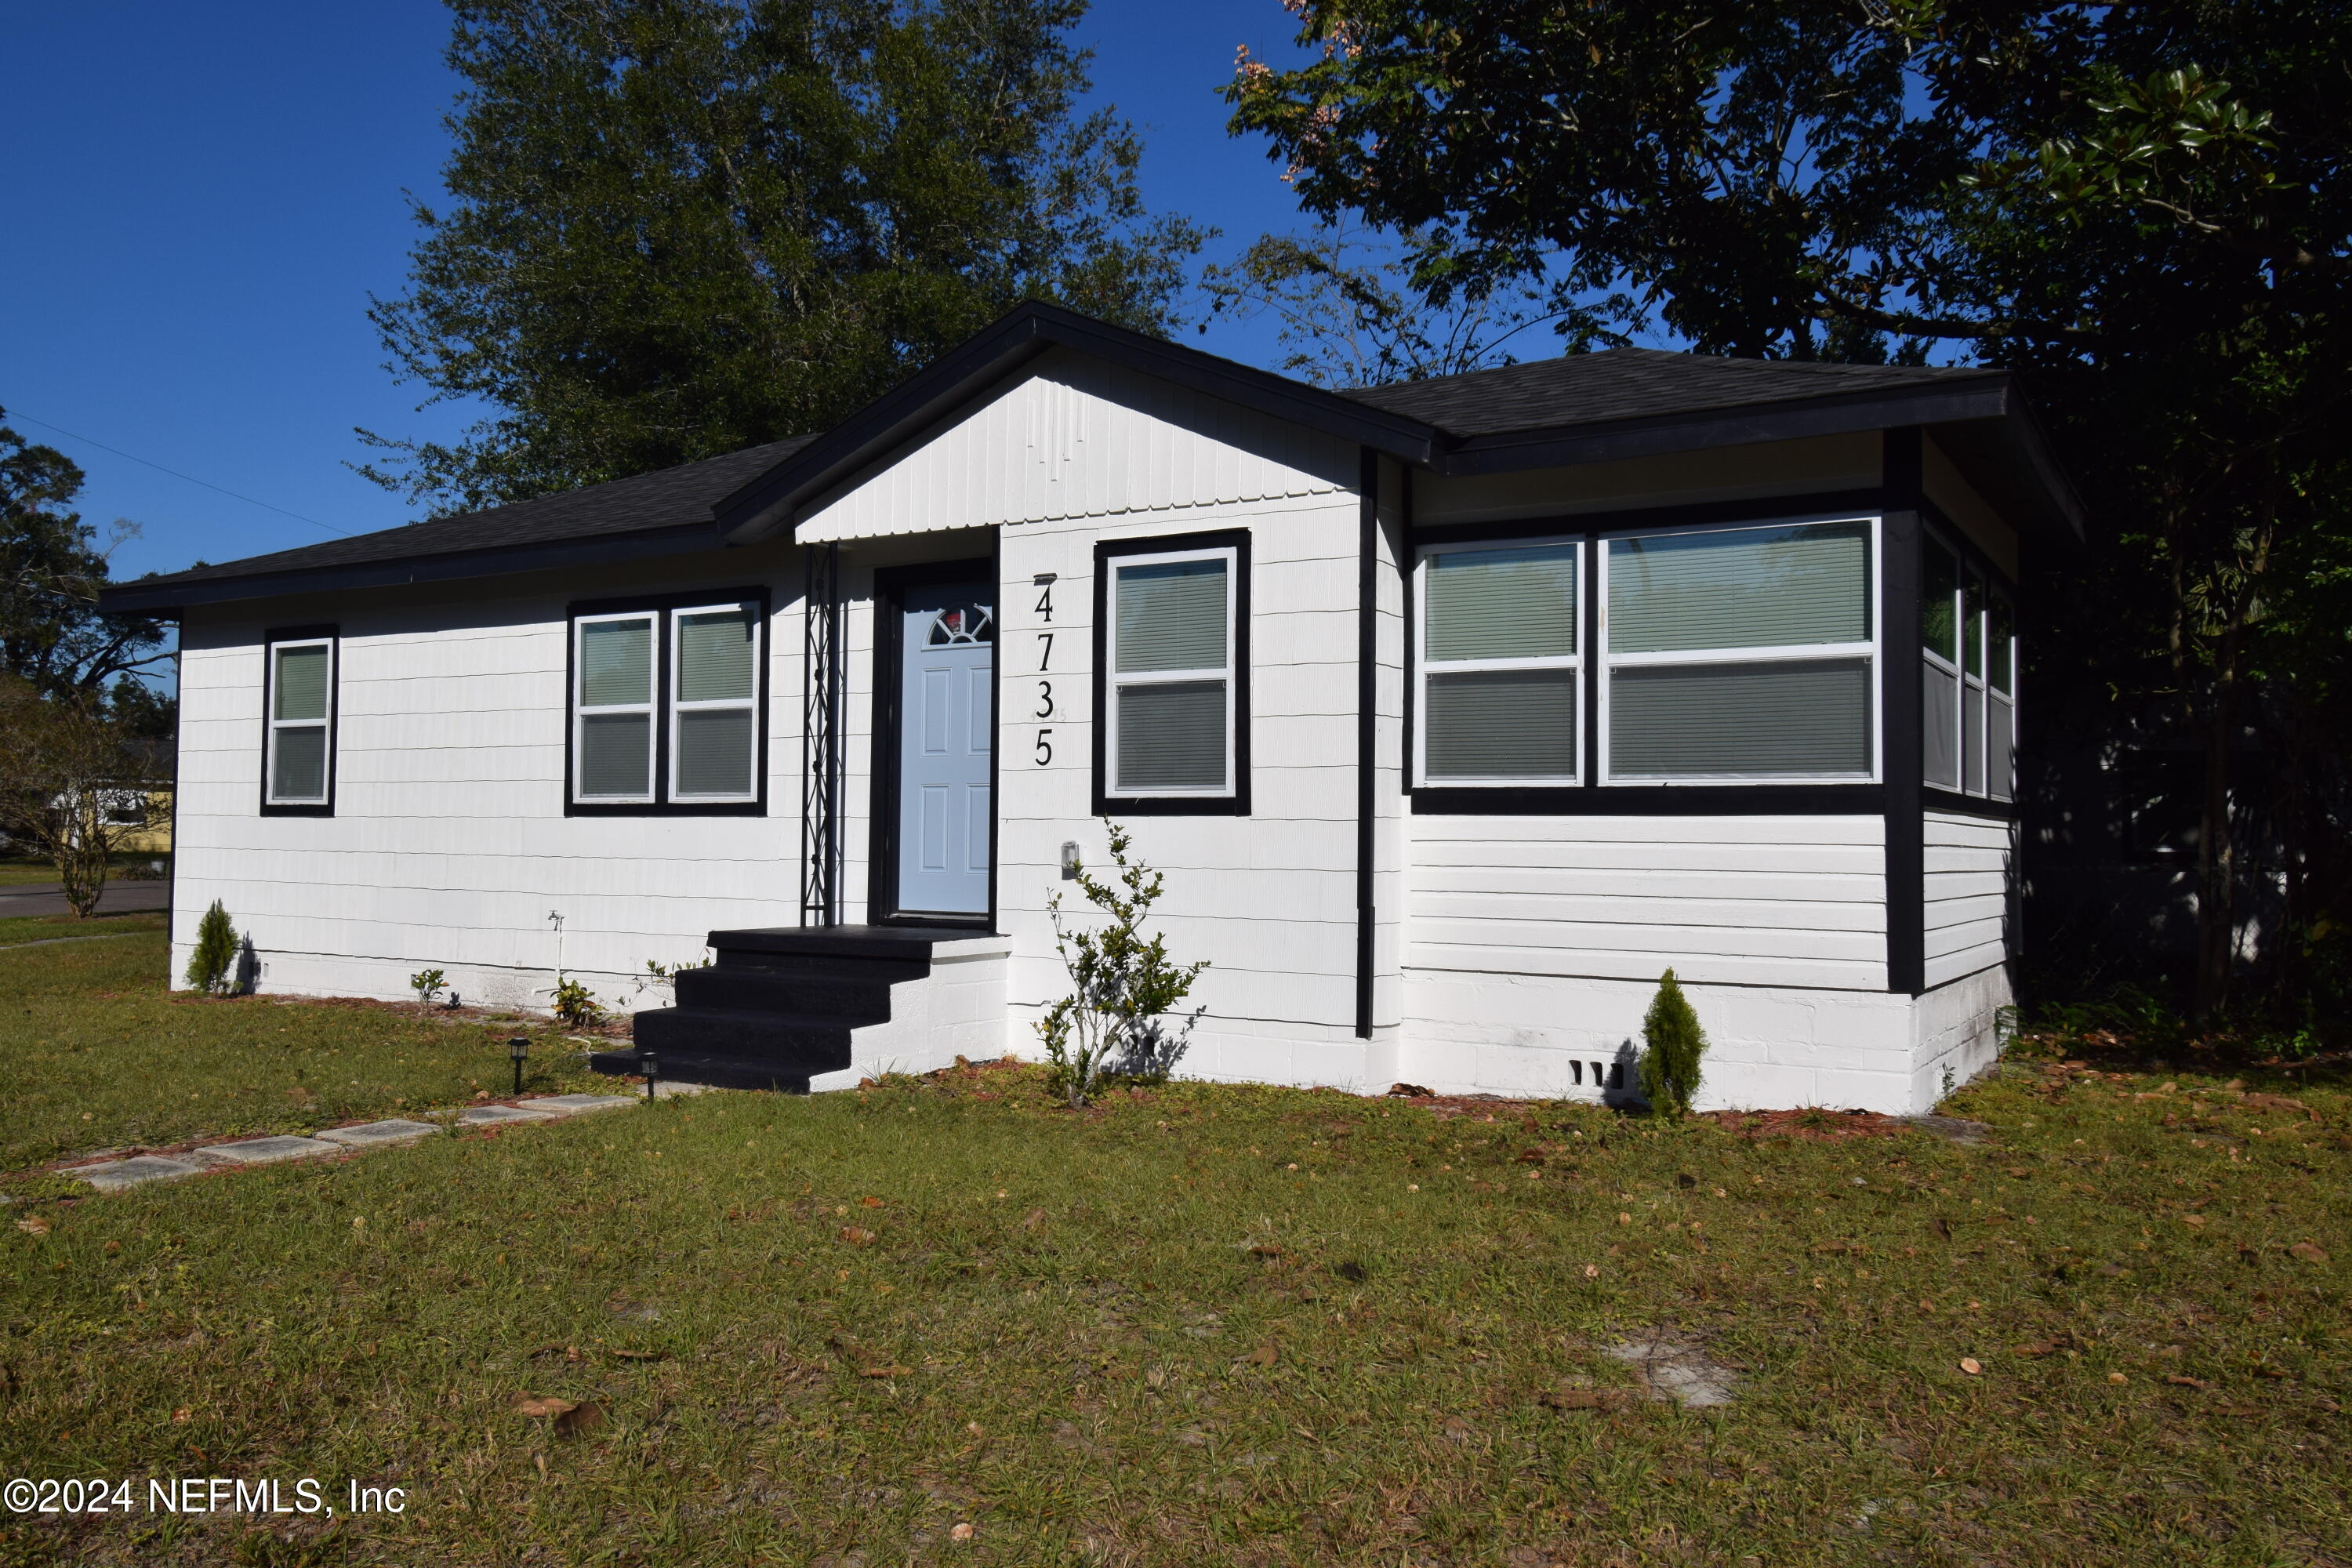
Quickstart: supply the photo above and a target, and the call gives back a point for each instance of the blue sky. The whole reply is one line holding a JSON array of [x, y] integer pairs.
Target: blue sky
[[203, 197]]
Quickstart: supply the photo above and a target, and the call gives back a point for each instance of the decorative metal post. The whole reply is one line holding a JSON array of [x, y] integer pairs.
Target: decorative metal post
[[821, 736]]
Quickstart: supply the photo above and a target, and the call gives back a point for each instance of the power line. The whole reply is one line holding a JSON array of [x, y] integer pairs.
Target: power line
[[314, 522]]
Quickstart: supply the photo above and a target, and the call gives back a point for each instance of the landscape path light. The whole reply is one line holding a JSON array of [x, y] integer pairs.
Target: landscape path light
[[517, 1050], [651, 1068]]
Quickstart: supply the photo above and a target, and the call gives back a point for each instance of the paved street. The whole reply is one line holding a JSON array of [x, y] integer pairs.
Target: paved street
[[47, 900]]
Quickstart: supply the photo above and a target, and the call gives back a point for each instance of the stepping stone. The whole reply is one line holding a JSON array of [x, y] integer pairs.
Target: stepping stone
[[121, 1173], [574, 1104], [496, 1115], [268, 1151], [369, 1134]]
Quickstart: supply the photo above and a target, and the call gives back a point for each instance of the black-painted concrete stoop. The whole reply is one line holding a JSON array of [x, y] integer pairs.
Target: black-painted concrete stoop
[[777, 1006]]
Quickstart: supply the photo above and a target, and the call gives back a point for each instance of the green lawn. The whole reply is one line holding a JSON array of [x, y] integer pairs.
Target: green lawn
[[36, 873], [1209, 1325], [99, 1056], [18, 930]]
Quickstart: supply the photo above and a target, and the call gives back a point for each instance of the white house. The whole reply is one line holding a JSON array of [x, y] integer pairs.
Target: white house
[[1453, 713]]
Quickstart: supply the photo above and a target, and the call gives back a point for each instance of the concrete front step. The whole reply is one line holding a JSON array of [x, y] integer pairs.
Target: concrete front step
[[798, 1043], [701, 1069], [862, 999]]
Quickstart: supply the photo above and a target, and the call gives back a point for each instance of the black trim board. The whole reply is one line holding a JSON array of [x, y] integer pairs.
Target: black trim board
[[1237, 804], [1764, 509], [333, 636], [1934, 797], [890, 586], [1907, 890], [660, 606]]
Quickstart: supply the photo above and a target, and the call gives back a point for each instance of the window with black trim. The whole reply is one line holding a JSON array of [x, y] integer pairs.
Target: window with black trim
[[1740, 654], [1968, 677], [1171, 680], [666, 706], [298, 765], [1501, 669]]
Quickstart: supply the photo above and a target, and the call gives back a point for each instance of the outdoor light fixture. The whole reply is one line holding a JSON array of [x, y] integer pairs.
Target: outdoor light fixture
[[517, 1048], [651, 1068], [1070, 862]]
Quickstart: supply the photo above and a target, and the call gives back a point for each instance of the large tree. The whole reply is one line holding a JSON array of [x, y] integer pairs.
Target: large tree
[[682, 227], [2146, 209], [52, 566]]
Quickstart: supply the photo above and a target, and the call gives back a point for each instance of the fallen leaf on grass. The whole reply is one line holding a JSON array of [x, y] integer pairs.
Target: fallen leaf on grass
[[2036, 1348], [580, 1419], [639, 1355], [1265, 1356], [871, 1203], [891, 1371], [961, 1532], [1944, 1228], [2194, 1220], [856, 1236], [2275, 1102], [36, 1225], [2309, 1251], [1971, 1365], [1032, 1219], [1458, 1431], [537, 1404], [2199, 1384]]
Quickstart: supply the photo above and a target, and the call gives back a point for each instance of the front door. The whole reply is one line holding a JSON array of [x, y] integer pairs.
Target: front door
[[948, 663]]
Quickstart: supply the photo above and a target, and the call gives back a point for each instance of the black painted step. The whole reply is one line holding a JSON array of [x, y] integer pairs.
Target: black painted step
[[853, 1000], [719, 1071], [804, 1044]]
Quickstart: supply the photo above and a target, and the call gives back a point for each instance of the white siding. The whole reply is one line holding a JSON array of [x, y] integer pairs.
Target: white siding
[[1076, 438], [1969, 862], [1739, 900], [449, 846]]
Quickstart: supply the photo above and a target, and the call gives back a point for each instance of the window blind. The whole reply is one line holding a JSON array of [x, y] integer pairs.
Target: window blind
[[1501, 604], [299, 767], [1500, 724], [715, 752], [1756, 721], [1171, 736], [715, 658], [1748, 587], [1172, 615], [616, 663], [301, 690], [615, 754], [1939, 725]]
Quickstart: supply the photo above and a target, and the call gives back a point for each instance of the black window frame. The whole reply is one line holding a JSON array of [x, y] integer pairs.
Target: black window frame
[[331, 635], [664, 608], [1236, 801], [1591, 796]]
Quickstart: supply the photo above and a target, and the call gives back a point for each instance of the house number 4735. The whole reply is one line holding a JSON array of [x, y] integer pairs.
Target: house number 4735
[[1042, 752]]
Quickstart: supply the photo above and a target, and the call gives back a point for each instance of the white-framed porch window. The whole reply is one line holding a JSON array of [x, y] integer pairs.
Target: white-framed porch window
[[1501, 675], [1744, 654], [1169, 702], [1968, 677], [300, 767], [714, 742], [614, 707]]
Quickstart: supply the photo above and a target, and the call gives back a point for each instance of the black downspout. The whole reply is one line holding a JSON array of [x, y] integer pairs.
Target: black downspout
[[1906, 912], [1368, 597]]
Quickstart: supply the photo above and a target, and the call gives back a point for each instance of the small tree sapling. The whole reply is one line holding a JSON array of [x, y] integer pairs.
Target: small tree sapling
[[1120, 1018], [428, 984], [214, 961], [1673, 1043]]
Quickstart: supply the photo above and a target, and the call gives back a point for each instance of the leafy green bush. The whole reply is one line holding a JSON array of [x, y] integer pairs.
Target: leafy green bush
[[1673, 1043], [1119, 1019], [213, 964], [428, 984], [577, 1005]]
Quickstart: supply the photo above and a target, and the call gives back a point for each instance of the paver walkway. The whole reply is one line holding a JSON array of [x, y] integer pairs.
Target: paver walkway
[[114, 1175]]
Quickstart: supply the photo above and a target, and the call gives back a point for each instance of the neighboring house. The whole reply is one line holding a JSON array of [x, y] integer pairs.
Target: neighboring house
[[1453, 711]]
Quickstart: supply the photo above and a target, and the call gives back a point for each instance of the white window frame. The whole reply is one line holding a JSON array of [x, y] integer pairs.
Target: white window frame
[[678, 707], [580, 710], [1931, 539], [1424, 667], [273, 725], [1113, 681], [1799, 653], [1994, 591]]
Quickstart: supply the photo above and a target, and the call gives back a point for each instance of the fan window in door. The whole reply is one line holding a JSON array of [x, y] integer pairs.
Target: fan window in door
[[962, 626]]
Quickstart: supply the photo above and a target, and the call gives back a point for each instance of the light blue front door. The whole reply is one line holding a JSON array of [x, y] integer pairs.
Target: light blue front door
[[948, 663]]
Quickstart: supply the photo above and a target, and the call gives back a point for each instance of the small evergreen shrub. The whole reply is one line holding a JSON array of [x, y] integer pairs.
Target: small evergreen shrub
[[213, 963], [1673, 1043]]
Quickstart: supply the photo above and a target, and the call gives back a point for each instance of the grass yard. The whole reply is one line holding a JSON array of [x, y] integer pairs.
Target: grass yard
[[1201, 1325], [18, 930], [99, 1055]]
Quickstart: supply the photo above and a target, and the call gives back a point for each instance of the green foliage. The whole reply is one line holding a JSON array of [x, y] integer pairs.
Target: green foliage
[[212, 966], [51, 568], [1119, 1019], [680, 228], [577, 1005], [1673, 1043], [428, 984]]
